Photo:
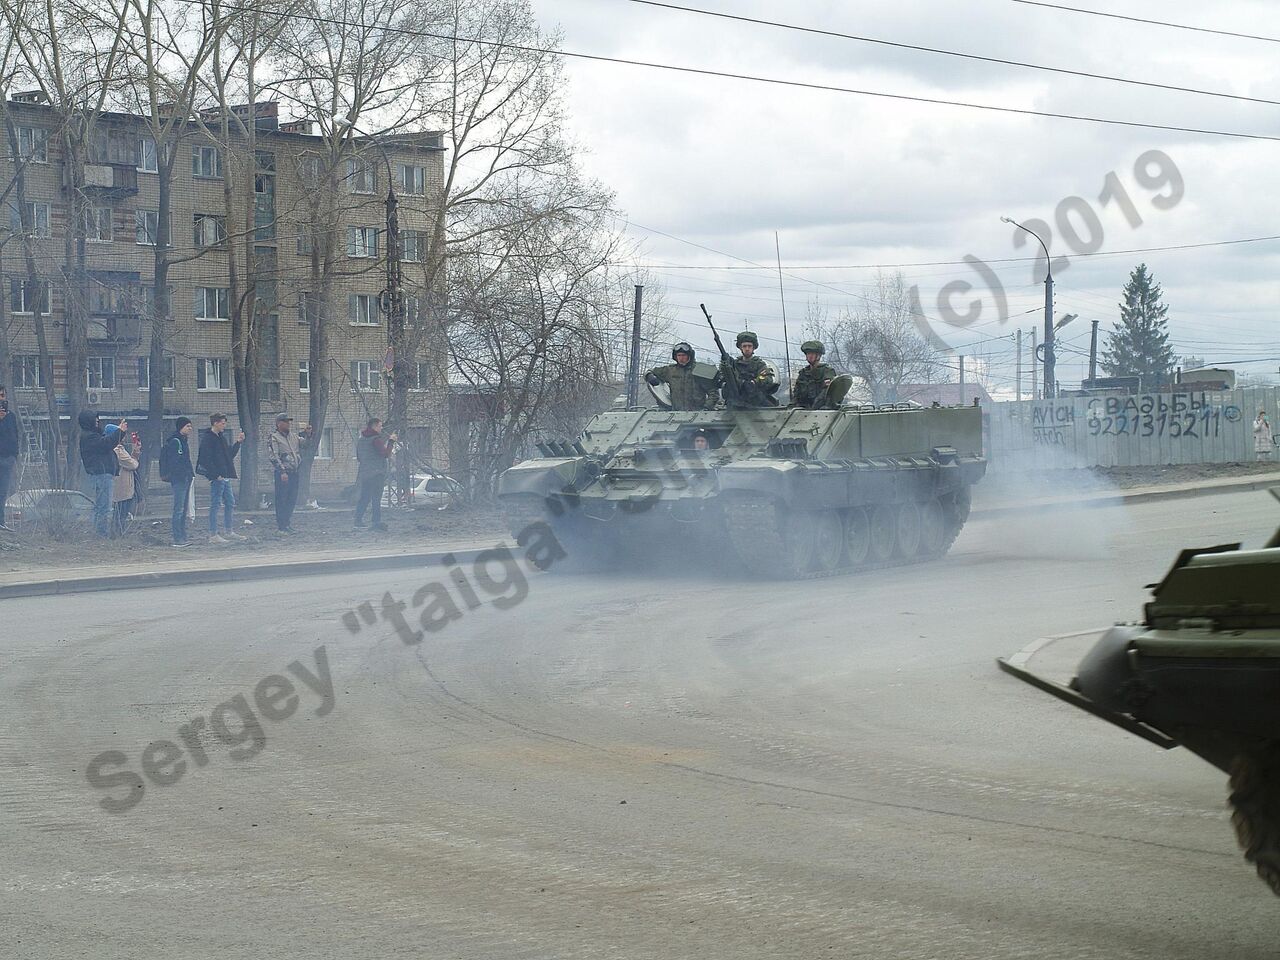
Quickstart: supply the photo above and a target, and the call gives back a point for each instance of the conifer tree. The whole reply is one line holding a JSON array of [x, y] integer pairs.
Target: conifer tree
[[1139, 345]]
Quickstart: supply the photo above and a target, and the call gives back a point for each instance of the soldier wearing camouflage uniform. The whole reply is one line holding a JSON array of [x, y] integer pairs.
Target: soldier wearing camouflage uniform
[[687, 391], [810, 389], [755, 378]]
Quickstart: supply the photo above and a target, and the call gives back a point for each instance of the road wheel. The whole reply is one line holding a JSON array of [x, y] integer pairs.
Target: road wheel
[[857, 535], [908, 520], [1255, 809], [799, 542], [933, 528], [884, 528], [828, 549]]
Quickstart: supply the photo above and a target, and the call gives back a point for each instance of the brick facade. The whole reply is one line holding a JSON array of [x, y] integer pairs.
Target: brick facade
[[121, 266]]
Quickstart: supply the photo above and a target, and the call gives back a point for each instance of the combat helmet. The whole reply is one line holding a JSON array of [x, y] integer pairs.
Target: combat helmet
[[813, 346], [683, 347], [746, 336]]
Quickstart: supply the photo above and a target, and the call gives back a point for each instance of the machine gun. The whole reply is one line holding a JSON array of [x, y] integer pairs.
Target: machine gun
[[733, 386]]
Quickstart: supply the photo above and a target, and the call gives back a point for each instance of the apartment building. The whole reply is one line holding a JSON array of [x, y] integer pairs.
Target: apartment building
[[121, 232]]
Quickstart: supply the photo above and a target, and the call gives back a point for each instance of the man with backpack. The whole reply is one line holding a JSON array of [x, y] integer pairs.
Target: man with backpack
[[176, 470]]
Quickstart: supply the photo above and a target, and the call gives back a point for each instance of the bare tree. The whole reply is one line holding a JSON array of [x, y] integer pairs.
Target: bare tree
[[166, 54], [877, 341], [70, 52]]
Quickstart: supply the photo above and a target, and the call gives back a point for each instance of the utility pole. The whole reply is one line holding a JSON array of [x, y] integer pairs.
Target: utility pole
[[1050, 383], [633, 377], [1093, 352], [1033, 364], [1048, 311], [962, 401], [1018, 375], [398, 394]]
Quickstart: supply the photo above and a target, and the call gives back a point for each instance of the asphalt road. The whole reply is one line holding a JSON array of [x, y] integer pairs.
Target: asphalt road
[[664, 765]]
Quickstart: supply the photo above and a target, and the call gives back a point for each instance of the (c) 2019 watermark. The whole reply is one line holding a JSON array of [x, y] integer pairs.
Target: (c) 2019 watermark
[[1080, 227]]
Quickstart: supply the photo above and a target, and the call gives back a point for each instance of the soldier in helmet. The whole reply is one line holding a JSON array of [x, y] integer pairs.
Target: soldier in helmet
[[687, 391], [755, 379], [810, 389]]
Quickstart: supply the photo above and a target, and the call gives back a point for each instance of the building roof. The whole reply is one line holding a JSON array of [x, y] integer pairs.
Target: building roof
[[946, 394]]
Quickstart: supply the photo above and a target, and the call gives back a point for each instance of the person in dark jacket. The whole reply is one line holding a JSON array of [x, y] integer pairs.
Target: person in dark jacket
[[216, 462], [9, 450], [372, 452], [98, 457], [175, 469]]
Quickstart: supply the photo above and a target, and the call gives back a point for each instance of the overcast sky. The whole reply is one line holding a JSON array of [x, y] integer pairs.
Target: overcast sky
[[846, 179]]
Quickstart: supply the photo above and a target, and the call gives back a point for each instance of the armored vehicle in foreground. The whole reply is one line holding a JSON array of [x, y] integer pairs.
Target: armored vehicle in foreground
[[789, 492], [1202, 671]]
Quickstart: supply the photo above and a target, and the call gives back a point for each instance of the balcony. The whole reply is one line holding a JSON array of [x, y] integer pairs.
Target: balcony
[[115, 331], [111, 180]]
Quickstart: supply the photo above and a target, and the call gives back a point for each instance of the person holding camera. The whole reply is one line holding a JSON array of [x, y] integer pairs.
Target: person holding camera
[[372, 452], [98, 457], [284, 450], [9, 450]]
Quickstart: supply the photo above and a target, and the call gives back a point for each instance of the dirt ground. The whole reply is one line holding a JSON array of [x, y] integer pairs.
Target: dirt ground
[[33, 546]]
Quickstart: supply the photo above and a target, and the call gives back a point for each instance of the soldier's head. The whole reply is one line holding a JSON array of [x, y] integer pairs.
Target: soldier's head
[[748, 342], [682, 353], [700, 441], [813, 351]]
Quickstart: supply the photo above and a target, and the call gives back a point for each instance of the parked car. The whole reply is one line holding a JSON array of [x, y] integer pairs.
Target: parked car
[[427, 491], [48, 505]]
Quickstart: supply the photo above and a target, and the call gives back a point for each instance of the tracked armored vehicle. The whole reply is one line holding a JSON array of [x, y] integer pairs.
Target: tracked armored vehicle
[[1202, 671], [788, 492]]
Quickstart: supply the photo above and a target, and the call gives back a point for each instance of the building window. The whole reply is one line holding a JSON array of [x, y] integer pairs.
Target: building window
[[414, 244], [311, 169], [308, 308], [421, 376], [211, 374], [97, 224], [148, 226], [306, 239], [362, 175], [210, 230], [147, 156], [264, 161], [364, 376], [24, 297], [412, 310], [362, 241], [304, 376], [144, 374], [213, 303], [100, 373], [206, 162], [363, 310], [33, 144], [324, 450], [37, 212], [26, 372], [411, 180]]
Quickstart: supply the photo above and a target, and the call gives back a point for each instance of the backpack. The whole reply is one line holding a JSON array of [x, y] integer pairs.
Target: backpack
[[167, 454]]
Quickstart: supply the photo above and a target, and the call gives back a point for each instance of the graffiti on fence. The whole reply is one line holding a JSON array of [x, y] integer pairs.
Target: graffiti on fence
[[1178, 416], [1053, 424]]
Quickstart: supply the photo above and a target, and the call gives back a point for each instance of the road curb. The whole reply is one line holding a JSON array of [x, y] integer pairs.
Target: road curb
[[257, 571], [1245, 485]]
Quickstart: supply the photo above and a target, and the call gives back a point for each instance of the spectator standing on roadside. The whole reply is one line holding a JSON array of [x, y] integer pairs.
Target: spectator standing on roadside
[[216, 462], [122, 490], [175, 470], [9, 450], [98, 457], [284, 450], [372, 452], [1263, 438]]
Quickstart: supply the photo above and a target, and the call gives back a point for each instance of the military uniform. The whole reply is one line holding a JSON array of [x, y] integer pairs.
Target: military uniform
[[754, 377], [811, 384], [687, 391]]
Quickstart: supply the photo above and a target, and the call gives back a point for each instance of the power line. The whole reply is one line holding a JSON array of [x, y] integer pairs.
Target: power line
[[951, 53], [1157, 23], [952, 263], [752, 78]]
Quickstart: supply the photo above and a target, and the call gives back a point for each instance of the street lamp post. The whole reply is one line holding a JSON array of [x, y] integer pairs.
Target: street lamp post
[[1049, 381]]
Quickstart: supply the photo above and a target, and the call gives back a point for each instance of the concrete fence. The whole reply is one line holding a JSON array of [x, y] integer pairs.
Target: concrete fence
[[1149, 429]]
